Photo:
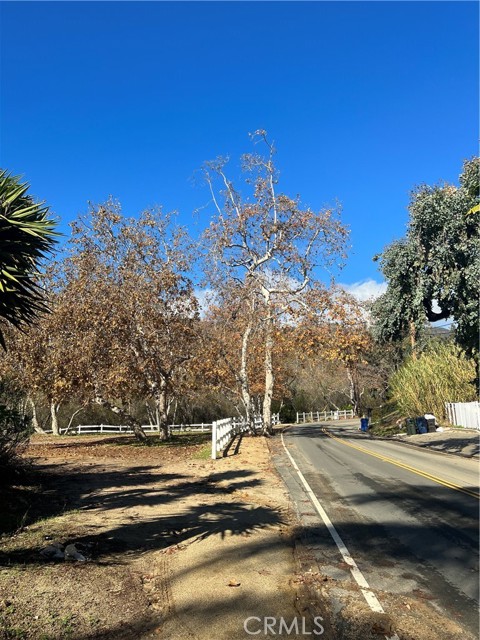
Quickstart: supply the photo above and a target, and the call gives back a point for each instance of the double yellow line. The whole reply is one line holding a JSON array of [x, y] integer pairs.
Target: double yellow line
[[402, 465]]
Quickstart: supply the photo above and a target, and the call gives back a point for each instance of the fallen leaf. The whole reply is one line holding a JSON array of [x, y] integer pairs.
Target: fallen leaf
[[233, 583]]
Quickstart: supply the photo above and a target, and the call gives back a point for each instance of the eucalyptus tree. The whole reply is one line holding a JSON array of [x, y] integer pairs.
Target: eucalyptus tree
[[26, 236], [268, 243]]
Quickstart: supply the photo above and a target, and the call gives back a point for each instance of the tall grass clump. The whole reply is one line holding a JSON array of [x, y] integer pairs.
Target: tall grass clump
[[441, 374]]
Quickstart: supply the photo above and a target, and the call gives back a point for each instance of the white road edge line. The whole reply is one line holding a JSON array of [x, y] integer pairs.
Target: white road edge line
[[358, 576]]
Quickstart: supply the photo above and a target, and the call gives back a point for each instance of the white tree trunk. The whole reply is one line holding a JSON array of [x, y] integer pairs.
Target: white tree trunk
[[269, 376], [161, 406], [354, 391], [243, 374], [54, 407], [70, 422], [127, 417], [35, 423]]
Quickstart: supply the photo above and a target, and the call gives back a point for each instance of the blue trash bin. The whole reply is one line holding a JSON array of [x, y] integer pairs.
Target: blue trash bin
[[421, 424], [363, 424]]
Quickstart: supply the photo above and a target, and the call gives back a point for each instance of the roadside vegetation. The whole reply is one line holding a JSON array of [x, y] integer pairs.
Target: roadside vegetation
[[111, 331], [442, 373], [125, 340]]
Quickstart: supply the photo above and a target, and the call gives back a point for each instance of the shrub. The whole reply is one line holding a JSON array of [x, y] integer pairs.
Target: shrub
[[14, 434], [442, 374]]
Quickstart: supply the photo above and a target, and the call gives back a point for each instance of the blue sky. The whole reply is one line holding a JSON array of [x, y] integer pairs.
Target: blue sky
[[363, 99]]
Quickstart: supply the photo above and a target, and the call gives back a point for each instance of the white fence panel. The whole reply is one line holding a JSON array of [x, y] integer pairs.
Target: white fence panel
[[223, 431], [465, 414], [323, 416], [200, 427], [226, 429]]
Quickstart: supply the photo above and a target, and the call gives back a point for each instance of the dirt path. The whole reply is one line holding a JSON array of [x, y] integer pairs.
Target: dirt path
[[180, 547]]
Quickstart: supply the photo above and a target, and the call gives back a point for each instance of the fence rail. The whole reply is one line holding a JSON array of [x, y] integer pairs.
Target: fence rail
[[198, 427], [323, 416], [223, 431], [203, 427], [465, 414]]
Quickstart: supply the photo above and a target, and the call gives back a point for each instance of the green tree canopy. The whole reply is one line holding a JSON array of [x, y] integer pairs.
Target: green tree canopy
[[26, 236], [433, 273]]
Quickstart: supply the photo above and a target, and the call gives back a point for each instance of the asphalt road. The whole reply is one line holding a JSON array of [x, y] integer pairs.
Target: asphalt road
[[409, 517]]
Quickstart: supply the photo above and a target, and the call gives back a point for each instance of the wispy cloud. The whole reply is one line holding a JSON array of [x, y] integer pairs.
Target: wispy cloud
[[365, 289]]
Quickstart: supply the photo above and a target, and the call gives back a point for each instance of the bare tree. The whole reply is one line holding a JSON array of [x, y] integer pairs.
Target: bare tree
[[269, 244]]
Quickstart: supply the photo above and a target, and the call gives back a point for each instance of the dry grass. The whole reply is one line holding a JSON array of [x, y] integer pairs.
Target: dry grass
[[441, 374]]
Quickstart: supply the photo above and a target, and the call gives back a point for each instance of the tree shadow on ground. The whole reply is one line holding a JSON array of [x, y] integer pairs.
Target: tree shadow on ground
[[185, 438], [97, 489]]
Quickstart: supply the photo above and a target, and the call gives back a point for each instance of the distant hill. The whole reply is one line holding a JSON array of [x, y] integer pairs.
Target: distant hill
[[439, 332]]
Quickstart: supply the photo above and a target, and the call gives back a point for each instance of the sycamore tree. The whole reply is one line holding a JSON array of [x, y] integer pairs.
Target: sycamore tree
[[335, 329], [434, 272], [40, 359], [133, 310], [26, 237], [232, 352], [268, 244], [230, 335], [350, 342]]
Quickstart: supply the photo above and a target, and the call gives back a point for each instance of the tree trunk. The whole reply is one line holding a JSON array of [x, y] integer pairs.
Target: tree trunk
[[269, 376], [413, 339], [243, 374], [54, 407], [35, 424], [152, 418], [354, 391], [70, 422], [161, 410], [138, 432]]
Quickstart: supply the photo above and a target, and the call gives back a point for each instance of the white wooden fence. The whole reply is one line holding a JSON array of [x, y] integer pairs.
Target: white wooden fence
[[465, 414], [203, 427], [323, 416], [223, 431]]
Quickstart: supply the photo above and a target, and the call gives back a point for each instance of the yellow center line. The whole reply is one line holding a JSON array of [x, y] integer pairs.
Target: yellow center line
[[445, 483]]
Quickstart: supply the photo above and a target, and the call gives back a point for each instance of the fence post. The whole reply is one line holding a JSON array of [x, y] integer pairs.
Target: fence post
[[214, 440]]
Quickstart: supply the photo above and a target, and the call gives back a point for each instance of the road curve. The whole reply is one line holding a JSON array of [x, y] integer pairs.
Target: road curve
[[408, 516]]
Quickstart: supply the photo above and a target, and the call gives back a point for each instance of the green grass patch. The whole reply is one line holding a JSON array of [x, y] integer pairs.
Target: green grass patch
[[204, 453]]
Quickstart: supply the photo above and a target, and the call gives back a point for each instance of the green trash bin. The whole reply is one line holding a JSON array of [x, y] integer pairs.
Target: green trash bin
[[410, 426]]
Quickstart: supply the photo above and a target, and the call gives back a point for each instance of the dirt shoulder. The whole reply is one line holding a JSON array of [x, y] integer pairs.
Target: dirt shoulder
[[462, 442], [177, 545]]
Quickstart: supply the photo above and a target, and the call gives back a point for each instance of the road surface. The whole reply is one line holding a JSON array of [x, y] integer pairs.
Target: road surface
[[408, 517]]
